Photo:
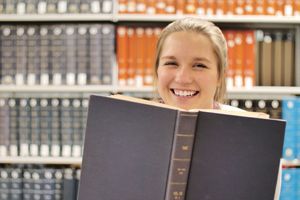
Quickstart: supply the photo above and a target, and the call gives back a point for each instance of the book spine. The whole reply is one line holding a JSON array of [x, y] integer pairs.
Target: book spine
[[107, 6], [239, 59], [181, 155], [56, 127], [240, 7], [5, 186], [288, 7], [277, 60], [77, 128], [249, 59], [35, 129], [150, 54], [229, 36], [66, 127], [151, 8], [49, 183], [200, 7], [8, 51], [211, 7], [289, 183], [141, 55], [298, 128], [21, 55], [260, 7], [276, 109], [82, 54], [131, 34], [122, 7], [2, 6], [33, 59], [71, 54], [4, 127], [288, 51], [58, 50], [45, 55], [62, 6], [52, 6], [14, 127], [95, 49], [21, 7], [108, 55], [69, 185], [131, 6], [11, 6], [59, 182], [24, 127], [84, 107], [297, 8], [38, 183], [122, 56], [271, 7], [279, 7], [45, 118], [27, 184], [160, 6], [266, 63], [78, 175], [171, 7], [220, 7], [73, 6], [231, 5], [31, 6], [85, 6], [141, 6], [249, 7], [16, 184]]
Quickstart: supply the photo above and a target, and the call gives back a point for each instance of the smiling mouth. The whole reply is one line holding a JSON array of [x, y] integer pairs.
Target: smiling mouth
[[184, 93]]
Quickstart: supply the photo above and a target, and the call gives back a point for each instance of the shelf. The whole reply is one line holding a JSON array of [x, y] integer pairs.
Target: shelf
[[294, 162], [42, 160], [55, 17]]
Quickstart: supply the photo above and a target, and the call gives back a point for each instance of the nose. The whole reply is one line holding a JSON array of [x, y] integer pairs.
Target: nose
[[184, 76]]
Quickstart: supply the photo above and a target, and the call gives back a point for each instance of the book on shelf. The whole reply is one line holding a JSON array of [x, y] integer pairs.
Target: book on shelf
[[95, 48], [66, 127], [131, 34], [33, 57], [82, 54], [45, 124], [71, 54], [249, 58], [190, 6], [77, 128], [239, 59], [4, 126], [171, 7], [24, 127], [35, 128], [69, 184], [45, 54], [59, 182], [14, 136], [229, 36], [182, 154], [266, 60], [56, 119], [277, 59], [140, 56], [288, 60], [150, 54], [31, 6], [122, 54], [21, 55], [73, 6]]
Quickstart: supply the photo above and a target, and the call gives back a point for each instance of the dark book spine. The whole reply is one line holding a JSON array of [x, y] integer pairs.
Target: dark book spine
[[33, 59], [58, 55], [95, 54], [5, 185], [42, 7], [85, 6], [2, 6], [108, 48], [45, 119], [181, 155], [276, 109], [45, 55], [31, 6], [106, 6], [24, 127], [247, 105], [77, 128], [71, 53], [14, 126], [85, 104], [35, 129], [4, 127], [78, 175], [49, 184], [73, 6], [52, 6], [62, 6], [27, 184], [66, 127], [21, 7], [8, 51], [59, 183], [16, 184], [21, 55], [82, 54], [55, 127], [69, 187], [38, 183], [11, 6]]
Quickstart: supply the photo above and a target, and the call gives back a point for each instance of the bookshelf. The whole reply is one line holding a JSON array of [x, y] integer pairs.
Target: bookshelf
[[42, 160]]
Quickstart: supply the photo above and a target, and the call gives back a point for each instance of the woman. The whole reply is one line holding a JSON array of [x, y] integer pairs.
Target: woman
[[190, 63]]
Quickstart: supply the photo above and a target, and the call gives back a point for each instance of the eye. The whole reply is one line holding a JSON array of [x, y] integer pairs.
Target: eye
[[200, 65], [171, 63]]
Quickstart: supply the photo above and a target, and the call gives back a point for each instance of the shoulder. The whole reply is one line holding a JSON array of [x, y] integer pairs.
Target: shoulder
[[231, 108]]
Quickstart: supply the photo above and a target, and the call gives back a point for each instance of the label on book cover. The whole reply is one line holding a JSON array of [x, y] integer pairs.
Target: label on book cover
[[24, 150], [13, 150], [106, 6], [76, 151], [81, 79], [62, 7], [31, 79], [44, 79], [66, 151], [3, 150], [70, 78], [34, 150], [288, 10], [45, 150], [238, 80], [248, 82], [55, 150], [42, 7], [95, 7], [140, 7], [20, 79], [21, 8], [139, 81], [150, 10], [57, 79]]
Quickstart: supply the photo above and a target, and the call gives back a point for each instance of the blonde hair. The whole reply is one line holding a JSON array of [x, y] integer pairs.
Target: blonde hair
[[205, 28]]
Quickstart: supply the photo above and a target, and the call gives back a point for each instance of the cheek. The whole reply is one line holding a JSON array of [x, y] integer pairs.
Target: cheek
[[164, 77]]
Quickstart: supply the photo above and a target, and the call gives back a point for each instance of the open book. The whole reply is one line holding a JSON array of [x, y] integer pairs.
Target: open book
[[142, 150]]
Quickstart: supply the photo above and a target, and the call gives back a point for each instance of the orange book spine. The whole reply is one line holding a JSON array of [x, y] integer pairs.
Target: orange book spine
[[279, 7], [151, 7], [122, 6], [157, 32], [190, 7], [260, 7], [180, 7], [201, 7], [271, 7], [141, 56], [220, 7], [131, 6], [170, 6], [131, 56], [240, 7], [141, 6], [249, 7], [229, 36], [122, 55], [150, 53], [160, 6], [211, 7], [297, 8], [239, 59], [249, 66], [231, 4], [288, 7]]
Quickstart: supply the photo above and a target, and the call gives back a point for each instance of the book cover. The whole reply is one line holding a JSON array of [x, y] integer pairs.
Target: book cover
[[45, 124], [122, 54], [266, 60], [66, 127], [288, 60], [21, 55], [278, 59], [221, 7], [4, 127], [71, 54], [239, 59], [69, 184], [160, 6], [16, 184], [249, 59], [33, 55], [132, 38], [24, 126], [82, 54], [171, 7], [56, 127], [131, 6], [108, 53], [180, 7], [271, 7], [201, 7], [143, 150], [45, 54], [77, 128], [5, 183], [14, 136], [249, 7], [190, 6], [95, 53], [52, 6], [85, 6], [211, 7], [141, 6], [49, 183], [140, 56], [59, 182], [35, 128]]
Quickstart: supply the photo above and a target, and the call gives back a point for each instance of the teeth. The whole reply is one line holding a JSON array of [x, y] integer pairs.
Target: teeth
[[181, 93]]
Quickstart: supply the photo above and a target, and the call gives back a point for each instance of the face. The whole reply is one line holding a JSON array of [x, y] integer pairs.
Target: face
[[188, 71]]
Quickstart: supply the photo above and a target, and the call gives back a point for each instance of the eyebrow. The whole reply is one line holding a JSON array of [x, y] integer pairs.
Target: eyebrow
[[196, 58]]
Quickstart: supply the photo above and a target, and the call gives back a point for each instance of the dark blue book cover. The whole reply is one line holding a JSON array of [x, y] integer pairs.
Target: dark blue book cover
[[108, 55], [71, 53], [24, 127], [21, 7], [33, 59], [21, 55], [31, 6], [85, 6], [28, 183], [11, 6], [4, 127], [49, 184], [52, 6], [45, 122], [59, 183], [95, 54], [45, 53], [73, 6], [35, 129], [5, 183], [58, 52], [82, 54], [14, 127], [77, 128], [66, 127], [38, 183], [56, 127], [8, 54], [69, 187], [16, 184]]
